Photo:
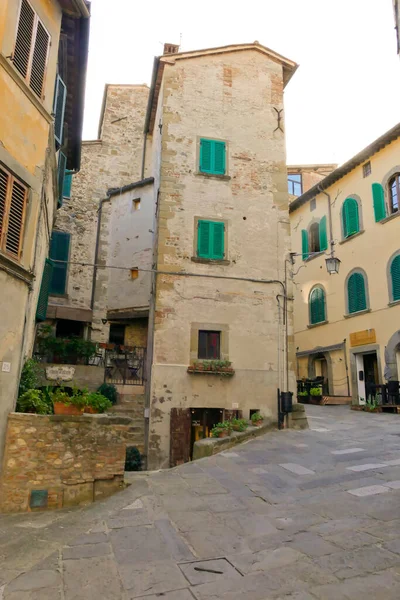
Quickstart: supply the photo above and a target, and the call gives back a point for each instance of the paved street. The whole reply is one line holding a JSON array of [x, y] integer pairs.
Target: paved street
[[297, 515]]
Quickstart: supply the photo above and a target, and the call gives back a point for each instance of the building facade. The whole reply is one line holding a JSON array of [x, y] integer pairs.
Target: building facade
[[43, 55], [346, 324]]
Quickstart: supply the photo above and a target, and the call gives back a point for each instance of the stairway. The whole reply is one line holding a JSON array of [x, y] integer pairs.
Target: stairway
[[131, 401]]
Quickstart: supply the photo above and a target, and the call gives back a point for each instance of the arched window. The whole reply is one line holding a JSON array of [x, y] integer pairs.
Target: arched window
[[314, 244], [317, 306], [314, 239], [394, 193], [356, 293], [350, 217], [395, 278]]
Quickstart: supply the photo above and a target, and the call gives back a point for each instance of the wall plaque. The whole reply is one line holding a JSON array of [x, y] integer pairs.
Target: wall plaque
[[60, 372]]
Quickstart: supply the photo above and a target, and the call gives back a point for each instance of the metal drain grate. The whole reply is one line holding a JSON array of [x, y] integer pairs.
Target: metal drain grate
[[205, 571]]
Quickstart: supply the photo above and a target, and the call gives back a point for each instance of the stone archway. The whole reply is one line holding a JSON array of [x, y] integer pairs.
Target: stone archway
[[391, 371], [312, 370]]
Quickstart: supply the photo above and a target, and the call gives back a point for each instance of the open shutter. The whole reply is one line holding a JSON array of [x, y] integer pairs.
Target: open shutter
[[204, 239], [59, 251], [67, 184], [304, 243], [205, 156], [39, 60], [60, 96], [395, 275], [219, 158], [16, 219], [180, 433], [62, 163], [4, 183], [23, 43], [356, 293], [323, 238], [43, 299], [378, 196], [218, 236]]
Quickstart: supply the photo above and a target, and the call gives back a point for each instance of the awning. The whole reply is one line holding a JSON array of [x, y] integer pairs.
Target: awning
[[321, 349]]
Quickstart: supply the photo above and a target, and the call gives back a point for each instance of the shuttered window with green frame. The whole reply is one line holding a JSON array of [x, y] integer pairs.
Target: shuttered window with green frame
[[304, 244], [356, 293], [323, 236], [43, 299], [59, 251], [317, 306], [395, 277], [350, 217], [211, 240], [67, 184], [212, 157], [378, 196]]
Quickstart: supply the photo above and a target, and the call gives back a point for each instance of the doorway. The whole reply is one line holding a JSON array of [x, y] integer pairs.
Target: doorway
[[203, 420], [367, 375]]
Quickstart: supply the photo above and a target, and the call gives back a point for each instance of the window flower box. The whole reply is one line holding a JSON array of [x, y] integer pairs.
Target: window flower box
[[212, 367]]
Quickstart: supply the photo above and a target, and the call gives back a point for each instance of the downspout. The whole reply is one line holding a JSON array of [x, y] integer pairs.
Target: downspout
[[143, 155], [347, 367], [331, 242], [96, 250]]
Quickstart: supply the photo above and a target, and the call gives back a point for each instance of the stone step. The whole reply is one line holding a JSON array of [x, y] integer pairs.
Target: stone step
[[131, 400], [130, 390]]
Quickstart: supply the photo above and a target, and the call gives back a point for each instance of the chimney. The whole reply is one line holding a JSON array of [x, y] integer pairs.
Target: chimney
[[171, 48]]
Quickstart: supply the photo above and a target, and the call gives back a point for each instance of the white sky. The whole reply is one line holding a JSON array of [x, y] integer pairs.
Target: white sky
[[345, 93]]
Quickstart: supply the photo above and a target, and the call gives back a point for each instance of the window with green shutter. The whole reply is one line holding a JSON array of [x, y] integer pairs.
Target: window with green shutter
[[60, 96], [43, 299], [323, 237], [356, 293], [395, 277], [59, 251], [317, 306], [350, 217], [212, 157], [62, 164], [304, 244], [67, 184], [378, 196], [211, 240]]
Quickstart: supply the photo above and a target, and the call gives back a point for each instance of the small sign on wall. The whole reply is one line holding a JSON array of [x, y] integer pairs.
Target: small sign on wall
[[6, 367], [361, 338], [62, 373]]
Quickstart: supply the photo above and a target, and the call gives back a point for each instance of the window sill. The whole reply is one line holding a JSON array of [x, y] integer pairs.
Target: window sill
[[224, 372], [394, 303], [355, 314], [351, 237], [317, 324], [206, 261], [212, 176], [13, 267], [390, 217]]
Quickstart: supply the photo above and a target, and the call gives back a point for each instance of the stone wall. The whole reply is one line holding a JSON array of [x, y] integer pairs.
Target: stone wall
[[70, 460]]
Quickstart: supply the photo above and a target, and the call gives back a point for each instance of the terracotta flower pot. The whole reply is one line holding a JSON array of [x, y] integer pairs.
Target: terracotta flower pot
[[66, 409], [258, 423], [223, 434], [90, 410]]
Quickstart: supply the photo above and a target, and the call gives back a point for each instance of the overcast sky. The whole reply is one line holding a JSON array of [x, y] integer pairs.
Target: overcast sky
[[345, 94]]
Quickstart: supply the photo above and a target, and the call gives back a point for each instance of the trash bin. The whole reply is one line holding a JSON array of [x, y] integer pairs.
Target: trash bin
[[286, 402]]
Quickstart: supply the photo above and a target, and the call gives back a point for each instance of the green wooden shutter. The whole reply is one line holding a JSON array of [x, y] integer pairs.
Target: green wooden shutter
[[350, 217], [218, 235], [60, 96], [59, 250], [43, 299], [219, 158], [395, 275], [378, 196], [67, 184], [317, 306], [206, 156], [357, 299], [304, 243], [204, 239], [62, 163], [323, 238]]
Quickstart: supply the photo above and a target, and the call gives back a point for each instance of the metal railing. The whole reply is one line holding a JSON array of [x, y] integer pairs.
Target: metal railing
[[125, 365]]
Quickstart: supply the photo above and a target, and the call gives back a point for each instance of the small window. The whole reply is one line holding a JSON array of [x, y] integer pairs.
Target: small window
[[212, 157], [295, 184], [13, 201], [367, 169], [313, 204], [394, 193], [395, 278], [209, 345], [211, 240], [117, 334], [356, 293], [350, 217], [314, 243], [136, 204], [31, 48], [317, 306], [59, 254]]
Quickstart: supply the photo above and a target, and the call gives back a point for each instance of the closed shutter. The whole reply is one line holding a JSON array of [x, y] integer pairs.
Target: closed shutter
[[59, 251], [212, 157], [16, 219], [357, 299], [204, 239], [323, 238], [43, 299], [317, 306], [350, 217], [39, 60], [23, 43], [205, 156], [60, 96], [395, 275], [62, 163], [219, 158], [218, 235], [378, 196], [304, 244], [4, 183]]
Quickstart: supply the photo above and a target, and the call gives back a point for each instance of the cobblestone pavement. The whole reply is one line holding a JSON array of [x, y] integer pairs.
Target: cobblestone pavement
[[298, 515]]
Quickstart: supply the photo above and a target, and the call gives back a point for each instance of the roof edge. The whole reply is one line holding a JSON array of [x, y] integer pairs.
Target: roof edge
[[130, 186]]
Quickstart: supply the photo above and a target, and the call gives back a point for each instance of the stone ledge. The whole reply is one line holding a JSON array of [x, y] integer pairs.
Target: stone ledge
[[101, 419]]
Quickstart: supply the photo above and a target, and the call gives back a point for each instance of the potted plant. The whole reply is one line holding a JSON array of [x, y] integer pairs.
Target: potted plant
[[221, 430], [96, 403], [239, 424], [109, 391], [34, 401], [302, 396], [315, 395], [257, 419], [371, 405], [64, 404]]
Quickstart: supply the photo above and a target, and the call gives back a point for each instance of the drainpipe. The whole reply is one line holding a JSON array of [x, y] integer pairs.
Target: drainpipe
[[331, 242], [143, 155], [96, 251], [347, 367]]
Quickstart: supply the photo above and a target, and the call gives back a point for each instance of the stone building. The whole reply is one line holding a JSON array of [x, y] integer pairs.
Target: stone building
[[303, 177], [43, 56], [346, 324]]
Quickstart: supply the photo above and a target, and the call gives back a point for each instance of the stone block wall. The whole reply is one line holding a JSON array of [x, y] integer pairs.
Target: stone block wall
[[62, 460]]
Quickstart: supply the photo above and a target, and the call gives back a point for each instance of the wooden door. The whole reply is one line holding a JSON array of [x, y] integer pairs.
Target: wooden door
[[180, 433]]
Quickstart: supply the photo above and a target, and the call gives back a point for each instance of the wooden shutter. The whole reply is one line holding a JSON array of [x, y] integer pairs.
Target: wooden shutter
[[378, 196], [350, 217], [59, 251], [39, 59], [16, 219], [67, 184], [219, 158], [304, 244], [323, 237], [60, 96], [23, 43], [218, 241], [317, 306], [62, 163], [4, 183], [43, 299], [204, 239], [357, 299], [205, 156], [180, 436], [395, 275]]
